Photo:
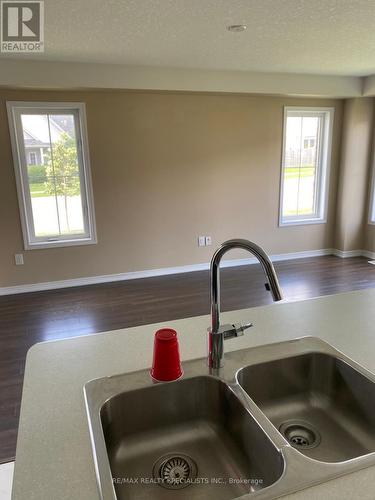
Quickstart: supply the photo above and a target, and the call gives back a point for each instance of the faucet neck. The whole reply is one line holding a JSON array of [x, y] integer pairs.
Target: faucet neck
[[262, 257]]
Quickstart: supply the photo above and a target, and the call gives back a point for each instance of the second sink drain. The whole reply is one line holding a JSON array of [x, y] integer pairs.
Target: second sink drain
[[175, 470], [300, 434]]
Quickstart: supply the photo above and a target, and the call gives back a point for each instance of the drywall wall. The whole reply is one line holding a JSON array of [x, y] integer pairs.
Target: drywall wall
[[166, 168], [356, 145], [369, 238], [70, 75], [369, 229]]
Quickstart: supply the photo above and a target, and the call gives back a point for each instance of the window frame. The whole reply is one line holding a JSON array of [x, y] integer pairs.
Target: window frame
[[325, 153], [78, 109]]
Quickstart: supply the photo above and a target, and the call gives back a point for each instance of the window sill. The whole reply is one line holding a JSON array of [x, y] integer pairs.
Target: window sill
[[60, 243], [301, 222]]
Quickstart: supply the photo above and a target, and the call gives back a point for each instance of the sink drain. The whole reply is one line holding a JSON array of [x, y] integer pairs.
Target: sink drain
[[300, 434], [175, 471]]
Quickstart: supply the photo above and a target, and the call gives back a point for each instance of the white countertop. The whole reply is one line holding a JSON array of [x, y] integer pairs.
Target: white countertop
[[54, 458]]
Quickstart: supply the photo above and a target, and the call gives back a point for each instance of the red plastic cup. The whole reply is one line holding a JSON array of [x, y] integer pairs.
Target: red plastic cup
[[166, 365]]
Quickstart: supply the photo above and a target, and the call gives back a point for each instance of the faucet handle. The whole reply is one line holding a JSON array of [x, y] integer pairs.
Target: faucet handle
[[240, 328], [234, 330]]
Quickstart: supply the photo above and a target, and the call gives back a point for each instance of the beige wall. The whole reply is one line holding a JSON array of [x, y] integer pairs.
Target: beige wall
[[352, 198], [72, 75], [166, 168], [369, 229], [369, 239]]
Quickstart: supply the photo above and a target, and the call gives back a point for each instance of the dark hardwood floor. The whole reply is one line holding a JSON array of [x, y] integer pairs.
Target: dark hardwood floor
[[29, 318]]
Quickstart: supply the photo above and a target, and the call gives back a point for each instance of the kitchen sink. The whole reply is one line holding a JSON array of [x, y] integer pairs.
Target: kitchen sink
[[275, 419], [189, 439], [322, 405]]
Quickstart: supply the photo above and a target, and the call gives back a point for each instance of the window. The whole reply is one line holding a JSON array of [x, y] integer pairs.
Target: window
[[305, 165], [32, 158], [51, 161]]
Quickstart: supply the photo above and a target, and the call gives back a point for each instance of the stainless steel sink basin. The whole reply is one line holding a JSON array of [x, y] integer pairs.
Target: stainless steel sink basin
[[193, 437], [276, 419], [322, 405]]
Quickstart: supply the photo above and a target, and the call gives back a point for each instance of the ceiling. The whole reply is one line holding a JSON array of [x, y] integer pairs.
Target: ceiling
[[325, 37]]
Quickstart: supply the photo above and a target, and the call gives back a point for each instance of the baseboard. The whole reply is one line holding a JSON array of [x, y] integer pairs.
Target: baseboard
[[344, 254], [108, 278], [368, 254]]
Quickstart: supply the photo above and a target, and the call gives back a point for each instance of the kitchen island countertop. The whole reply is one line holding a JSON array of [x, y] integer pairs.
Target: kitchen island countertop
[[54, 458]]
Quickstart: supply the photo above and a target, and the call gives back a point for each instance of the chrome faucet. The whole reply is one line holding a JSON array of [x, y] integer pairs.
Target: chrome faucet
[[218, 333]]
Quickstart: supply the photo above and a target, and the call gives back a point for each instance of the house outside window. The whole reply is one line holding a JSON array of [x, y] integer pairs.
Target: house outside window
[[32, 158], [309, 143], [51, 159], [305, 165]]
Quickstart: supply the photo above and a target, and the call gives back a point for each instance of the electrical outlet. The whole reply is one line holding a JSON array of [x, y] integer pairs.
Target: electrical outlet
[[208, 241], [18, 259], [201, 241]]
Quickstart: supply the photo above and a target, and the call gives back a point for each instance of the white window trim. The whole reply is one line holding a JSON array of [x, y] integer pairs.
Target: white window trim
[[14, 109], [325, 169]]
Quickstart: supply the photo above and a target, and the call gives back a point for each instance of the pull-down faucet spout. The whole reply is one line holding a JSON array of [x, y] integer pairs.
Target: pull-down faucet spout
[[218, 333]]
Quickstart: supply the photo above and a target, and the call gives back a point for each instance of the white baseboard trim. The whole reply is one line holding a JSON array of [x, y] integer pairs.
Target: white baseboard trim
[[344, 254], [108, 278], [368, 254]]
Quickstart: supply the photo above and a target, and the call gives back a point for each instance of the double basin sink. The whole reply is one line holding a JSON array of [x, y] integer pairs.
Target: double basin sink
[[276, 419]]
